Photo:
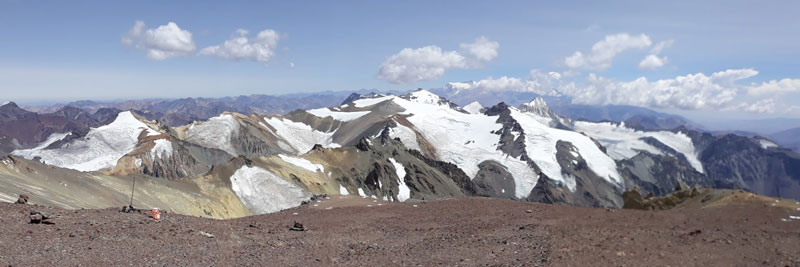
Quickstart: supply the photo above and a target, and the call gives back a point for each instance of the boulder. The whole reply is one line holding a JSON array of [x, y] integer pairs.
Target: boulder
[[23, 199], [40, 218]]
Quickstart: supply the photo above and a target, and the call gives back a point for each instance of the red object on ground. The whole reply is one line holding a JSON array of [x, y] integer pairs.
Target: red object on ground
[[156, 214]]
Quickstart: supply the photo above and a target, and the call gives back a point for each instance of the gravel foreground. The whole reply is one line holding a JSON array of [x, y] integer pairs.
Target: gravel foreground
[[363, 232]]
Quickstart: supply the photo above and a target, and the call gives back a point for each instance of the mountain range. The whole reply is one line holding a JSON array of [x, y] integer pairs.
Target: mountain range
[[395, 147]]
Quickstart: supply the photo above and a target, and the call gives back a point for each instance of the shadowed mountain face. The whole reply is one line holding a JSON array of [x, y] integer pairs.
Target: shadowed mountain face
[[416, 146]]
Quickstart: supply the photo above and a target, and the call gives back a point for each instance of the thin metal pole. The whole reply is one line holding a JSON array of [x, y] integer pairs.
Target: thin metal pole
[[132, 188]]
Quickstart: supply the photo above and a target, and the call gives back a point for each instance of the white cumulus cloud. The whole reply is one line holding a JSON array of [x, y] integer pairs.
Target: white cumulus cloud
[[241, 47], [776, 87], [430, 62], [166, 41], [651, 62], [481, 51], [604, 51]]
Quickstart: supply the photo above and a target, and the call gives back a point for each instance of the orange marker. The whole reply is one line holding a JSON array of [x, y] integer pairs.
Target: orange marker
[[156, 214]]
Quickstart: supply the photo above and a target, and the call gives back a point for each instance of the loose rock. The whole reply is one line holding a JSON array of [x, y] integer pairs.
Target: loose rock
[[297, 227], [206, 234]]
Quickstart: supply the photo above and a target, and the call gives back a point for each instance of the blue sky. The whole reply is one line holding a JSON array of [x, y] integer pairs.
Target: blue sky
[[67, 50]]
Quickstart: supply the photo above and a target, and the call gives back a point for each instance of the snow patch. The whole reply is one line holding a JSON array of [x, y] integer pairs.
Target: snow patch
[[216, 132], [303, 163], [343, 191], [161, 149], [337, 115], [361, 192], [366, 102], [404, 192], [300, 136], [406, 135], [765, 144], [263, 192]]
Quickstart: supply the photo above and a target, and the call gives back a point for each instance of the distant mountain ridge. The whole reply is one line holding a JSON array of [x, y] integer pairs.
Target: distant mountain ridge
[[788, 138], [414, 146]]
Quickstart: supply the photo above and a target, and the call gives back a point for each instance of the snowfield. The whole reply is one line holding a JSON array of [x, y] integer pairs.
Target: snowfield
[[216, 133], [161, 149], [366, 102], [623, 143], [99, 149], [303, 163], [300, 136], [337, 115], [263, 192], [406, 135]]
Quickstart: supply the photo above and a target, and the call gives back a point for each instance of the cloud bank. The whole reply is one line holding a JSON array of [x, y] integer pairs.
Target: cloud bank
[[411, 65], [720, 91], [538, 82]]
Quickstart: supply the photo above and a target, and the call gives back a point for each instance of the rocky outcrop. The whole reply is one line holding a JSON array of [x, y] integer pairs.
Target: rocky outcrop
[[634, 200], [494, 179], [660, 174], [179, 159]]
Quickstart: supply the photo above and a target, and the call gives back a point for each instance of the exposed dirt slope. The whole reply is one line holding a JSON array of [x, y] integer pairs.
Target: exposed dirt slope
[[467, 231], [46, 185]]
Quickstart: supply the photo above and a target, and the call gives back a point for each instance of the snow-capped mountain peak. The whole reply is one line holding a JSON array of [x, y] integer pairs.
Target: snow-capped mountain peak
[[425, 97], [474, 107], [537, 106]]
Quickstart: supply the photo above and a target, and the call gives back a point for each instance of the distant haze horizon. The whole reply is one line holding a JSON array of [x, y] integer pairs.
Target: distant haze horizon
[[762, 126]]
